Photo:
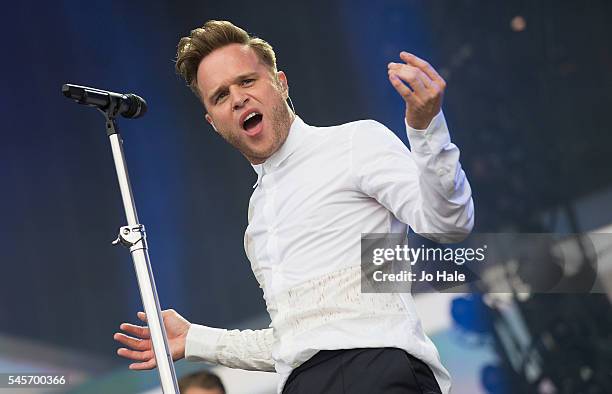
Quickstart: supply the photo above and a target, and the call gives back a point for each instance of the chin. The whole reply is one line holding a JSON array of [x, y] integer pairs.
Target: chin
[[262, 152]]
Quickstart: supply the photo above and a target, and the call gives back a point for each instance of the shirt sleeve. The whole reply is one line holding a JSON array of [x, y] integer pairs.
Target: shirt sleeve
[[424, 187], [243, 349]]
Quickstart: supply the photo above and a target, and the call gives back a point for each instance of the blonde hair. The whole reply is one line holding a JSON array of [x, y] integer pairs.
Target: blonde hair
[[214, 35]]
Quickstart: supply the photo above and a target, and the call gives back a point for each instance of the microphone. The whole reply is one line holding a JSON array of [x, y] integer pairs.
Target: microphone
[[128, 105]]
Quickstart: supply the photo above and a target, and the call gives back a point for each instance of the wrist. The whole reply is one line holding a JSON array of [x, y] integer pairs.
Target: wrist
[[417, 124]]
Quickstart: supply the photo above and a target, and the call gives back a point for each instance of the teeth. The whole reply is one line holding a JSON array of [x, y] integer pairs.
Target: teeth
[[250, 116]]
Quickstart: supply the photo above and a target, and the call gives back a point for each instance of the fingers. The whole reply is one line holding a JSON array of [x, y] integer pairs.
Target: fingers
[[140, 332], [420, 86], [140, 349], [138, 342], [135, 354], [418, 81], [165, 313], [422, 65], [401, 88], [142, 366], [134, 343], [147, 359]]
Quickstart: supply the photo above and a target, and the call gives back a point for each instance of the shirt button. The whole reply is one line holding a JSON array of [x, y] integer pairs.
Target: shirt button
[[441, 171]]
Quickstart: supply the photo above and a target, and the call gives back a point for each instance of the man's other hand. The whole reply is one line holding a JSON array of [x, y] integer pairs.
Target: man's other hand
[[139, 339], [423, 92]]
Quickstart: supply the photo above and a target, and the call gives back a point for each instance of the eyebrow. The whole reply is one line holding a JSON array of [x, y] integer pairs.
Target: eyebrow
[[221, 88]]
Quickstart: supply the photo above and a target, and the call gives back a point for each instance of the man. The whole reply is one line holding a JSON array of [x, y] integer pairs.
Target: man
[[201, 382], [317, 191]]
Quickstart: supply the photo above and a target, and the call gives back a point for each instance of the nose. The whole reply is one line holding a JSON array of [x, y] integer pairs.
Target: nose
[[239, 99]]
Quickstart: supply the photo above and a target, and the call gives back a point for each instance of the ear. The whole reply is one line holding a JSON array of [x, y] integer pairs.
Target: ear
[[282, 79], [209, 120]]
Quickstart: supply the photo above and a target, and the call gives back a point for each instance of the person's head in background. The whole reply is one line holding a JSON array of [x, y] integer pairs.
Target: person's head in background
[[202, 382]]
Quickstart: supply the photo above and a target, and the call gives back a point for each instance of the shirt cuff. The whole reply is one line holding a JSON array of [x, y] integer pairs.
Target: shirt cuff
[[433, 139], [201, 343]]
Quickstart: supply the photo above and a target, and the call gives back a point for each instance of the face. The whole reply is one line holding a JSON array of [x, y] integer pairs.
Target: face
[[199, 390], [245, 101]]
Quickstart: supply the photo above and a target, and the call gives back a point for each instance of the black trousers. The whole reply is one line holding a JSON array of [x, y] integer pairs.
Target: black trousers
[[362, 371]]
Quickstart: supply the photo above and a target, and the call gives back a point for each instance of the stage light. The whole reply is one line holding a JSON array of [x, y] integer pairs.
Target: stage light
[[471, 314], [518, 23]]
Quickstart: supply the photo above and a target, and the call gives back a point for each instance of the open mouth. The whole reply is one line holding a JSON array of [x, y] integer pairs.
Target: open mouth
[[252, 123]]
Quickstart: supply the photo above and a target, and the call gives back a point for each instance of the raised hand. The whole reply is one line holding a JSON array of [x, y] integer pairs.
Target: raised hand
[[424, 94], [139, 339]]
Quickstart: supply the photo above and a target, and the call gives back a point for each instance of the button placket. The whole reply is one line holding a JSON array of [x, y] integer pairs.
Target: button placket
[[271, 236]]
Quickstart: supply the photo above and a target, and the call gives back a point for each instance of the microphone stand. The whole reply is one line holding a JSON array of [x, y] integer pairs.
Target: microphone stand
[[133, 236]]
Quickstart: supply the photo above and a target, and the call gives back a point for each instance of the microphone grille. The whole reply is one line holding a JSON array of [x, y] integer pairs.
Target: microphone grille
[[137, 106]]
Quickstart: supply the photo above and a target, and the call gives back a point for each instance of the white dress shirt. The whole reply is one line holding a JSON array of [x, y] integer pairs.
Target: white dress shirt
[[313, 199]]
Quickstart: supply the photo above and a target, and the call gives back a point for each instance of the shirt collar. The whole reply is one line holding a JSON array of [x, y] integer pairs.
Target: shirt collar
[[292, 143]]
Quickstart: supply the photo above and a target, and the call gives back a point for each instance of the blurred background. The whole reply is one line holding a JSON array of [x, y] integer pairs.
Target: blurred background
[[527, 102]]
